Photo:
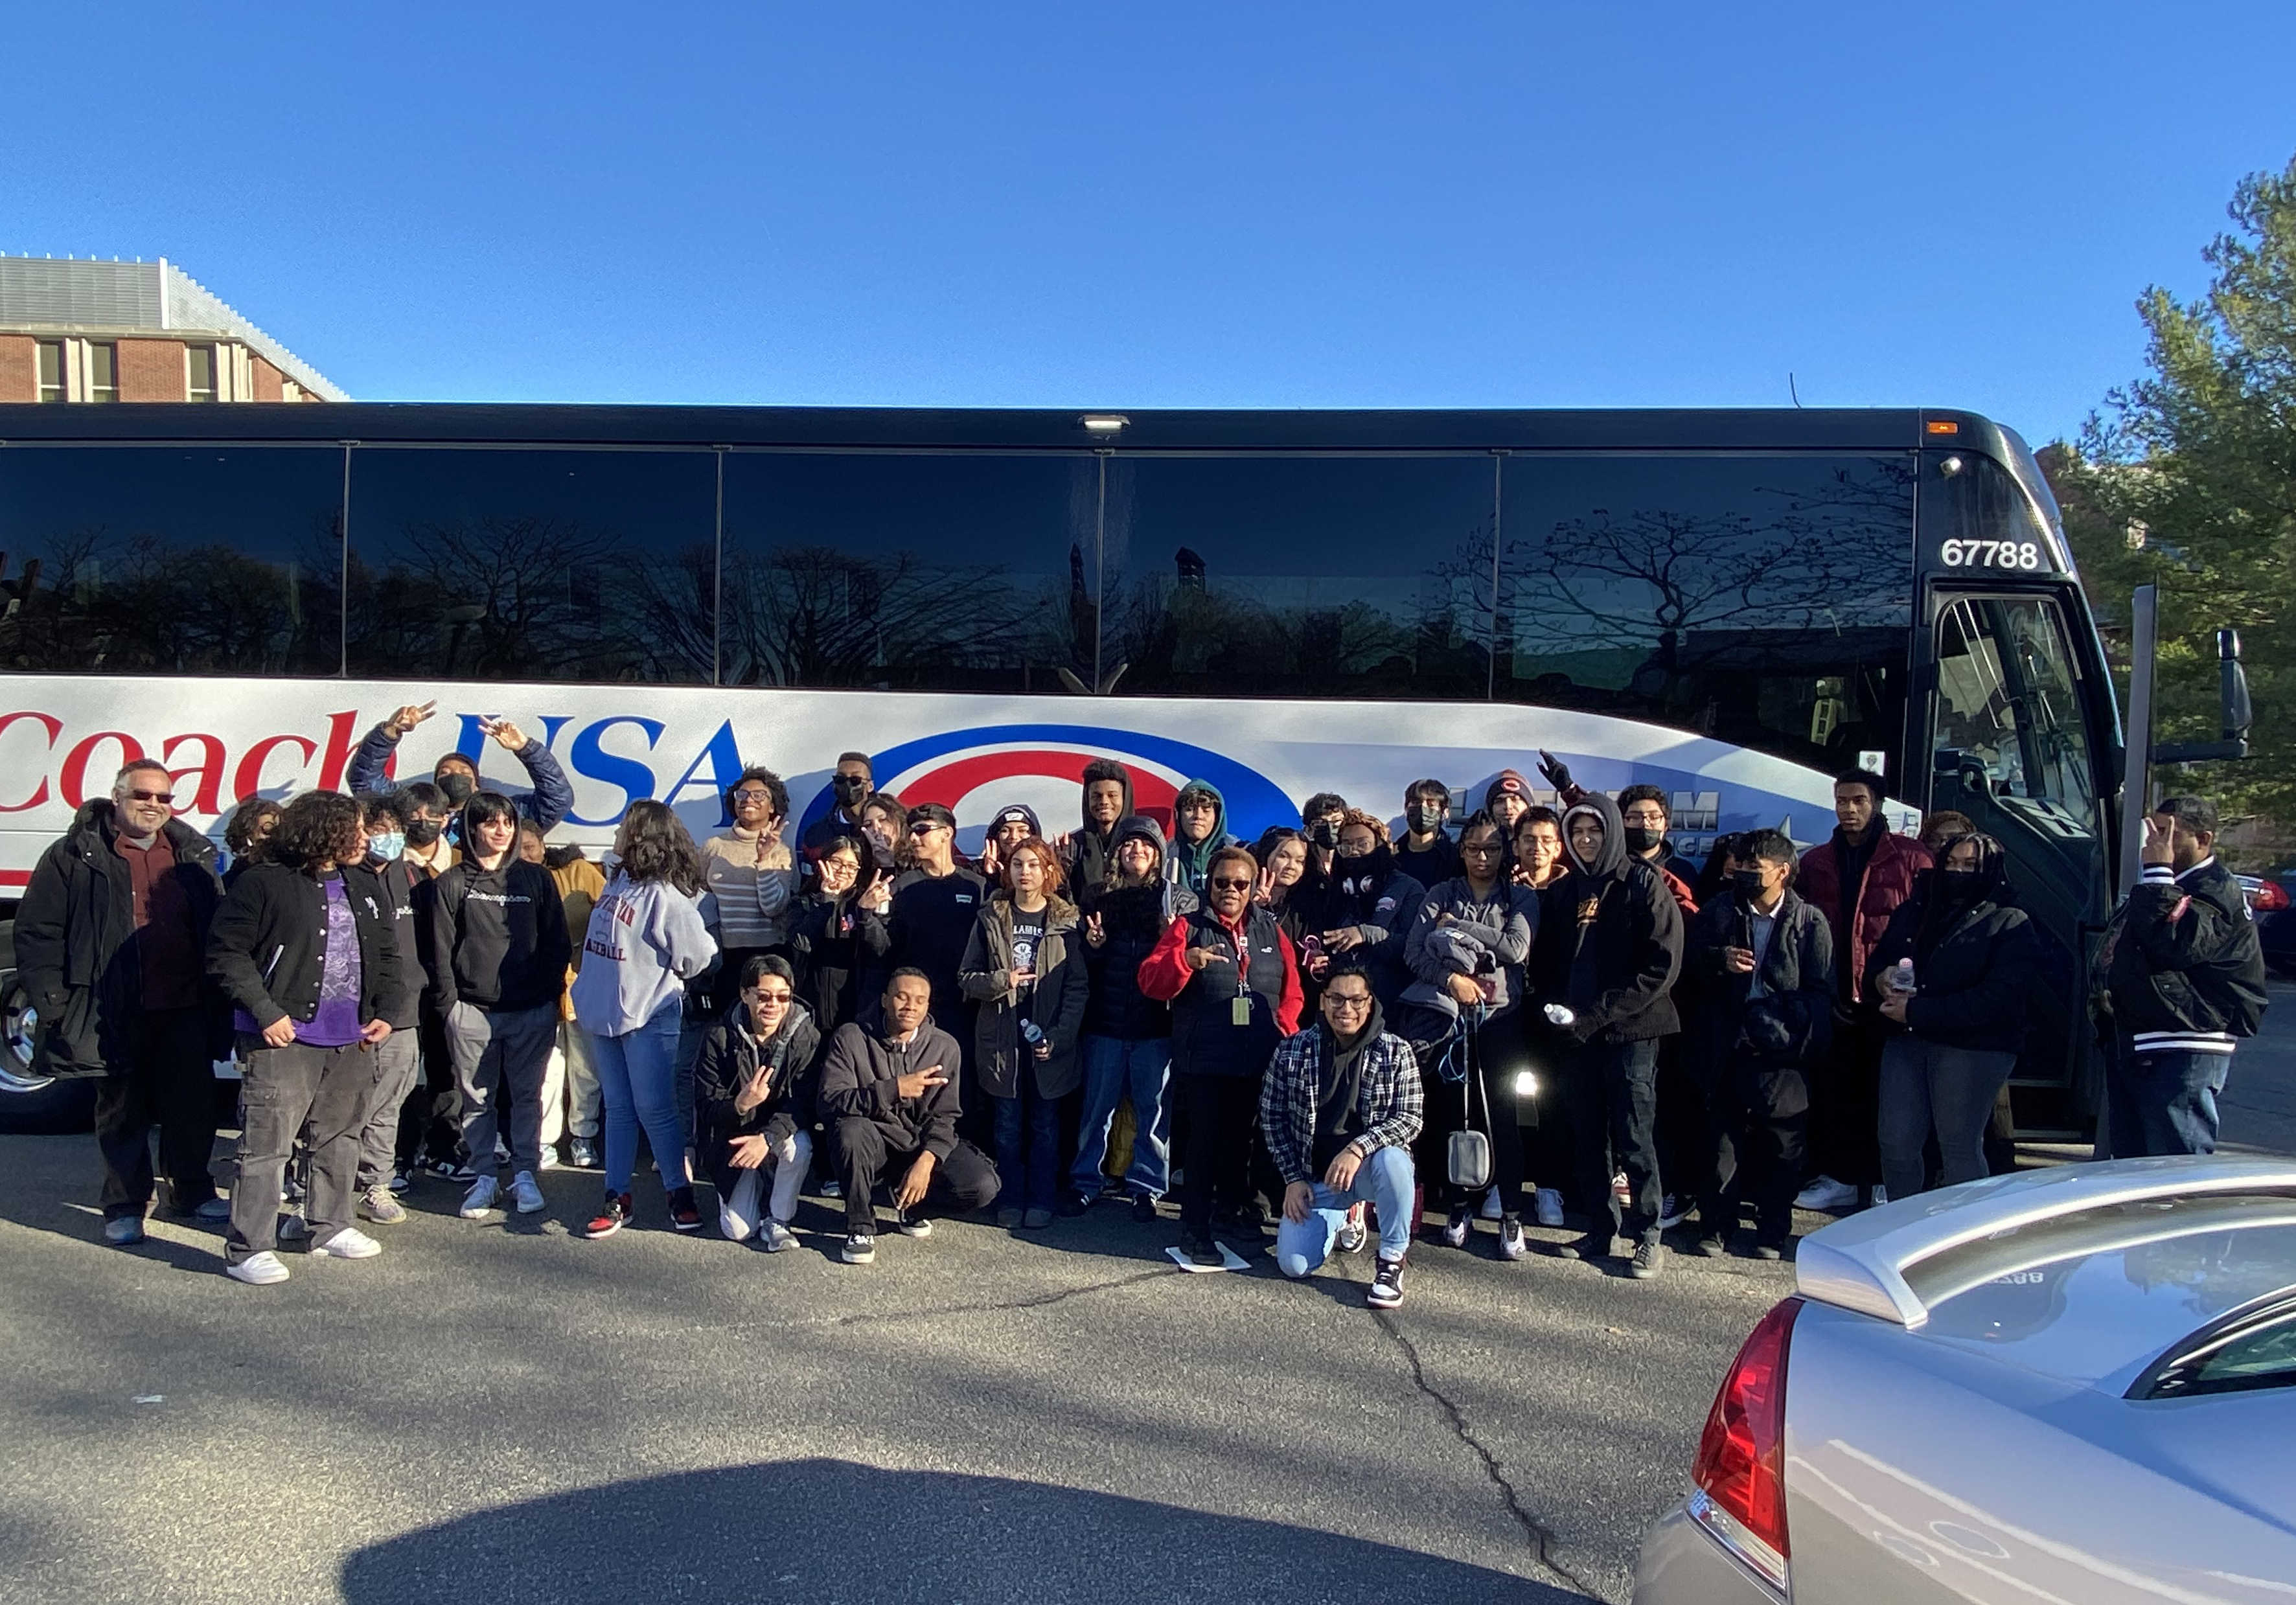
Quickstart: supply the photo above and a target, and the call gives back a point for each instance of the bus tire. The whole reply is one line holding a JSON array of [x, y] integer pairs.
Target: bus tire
[[30, 1102]]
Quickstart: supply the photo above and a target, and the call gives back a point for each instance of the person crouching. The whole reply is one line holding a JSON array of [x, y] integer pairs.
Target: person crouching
[[754, 1087]]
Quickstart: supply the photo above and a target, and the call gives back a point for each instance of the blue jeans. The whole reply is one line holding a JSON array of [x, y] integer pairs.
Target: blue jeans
[[1114, 1070], [1028, 1146], [2163, 1103], [638, 1080], [1384, 1180]]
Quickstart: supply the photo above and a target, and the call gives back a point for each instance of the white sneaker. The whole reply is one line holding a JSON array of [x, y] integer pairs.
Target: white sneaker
[[1547, 1207], [549, 1157], [480, 1199], [777, 1237], [1491, 1210], [1825, 1193], [525, 1197], [258, 1270], [1620, 1189], [349, 1243]]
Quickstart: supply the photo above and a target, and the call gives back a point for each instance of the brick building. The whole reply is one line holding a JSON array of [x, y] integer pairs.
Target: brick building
[[116, 330]]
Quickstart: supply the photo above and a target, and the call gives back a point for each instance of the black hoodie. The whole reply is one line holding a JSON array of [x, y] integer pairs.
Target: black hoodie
[[1090, 849], [498, 936], [1621, 942]]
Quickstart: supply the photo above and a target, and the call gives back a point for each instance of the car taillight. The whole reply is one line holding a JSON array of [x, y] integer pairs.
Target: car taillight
[[1742, 1456], [2271, 896]]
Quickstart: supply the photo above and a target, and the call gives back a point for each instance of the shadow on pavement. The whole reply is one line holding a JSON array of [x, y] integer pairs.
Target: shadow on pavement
[[820, 1530]]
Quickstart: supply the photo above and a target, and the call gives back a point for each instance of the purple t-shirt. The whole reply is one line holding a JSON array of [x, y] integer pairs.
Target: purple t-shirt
[[336, 1022]]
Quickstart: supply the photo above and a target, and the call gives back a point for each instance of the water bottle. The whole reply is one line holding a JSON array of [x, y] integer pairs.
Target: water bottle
[[1032, 1033], [1901, 979]]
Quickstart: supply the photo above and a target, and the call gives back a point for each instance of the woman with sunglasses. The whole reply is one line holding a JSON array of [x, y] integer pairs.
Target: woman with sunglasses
[[754, 1084], [1230, 974]]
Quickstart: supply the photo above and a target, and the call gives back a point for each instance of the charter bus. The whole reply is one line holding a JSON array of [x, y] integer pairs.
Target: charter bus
[[1732, 605]]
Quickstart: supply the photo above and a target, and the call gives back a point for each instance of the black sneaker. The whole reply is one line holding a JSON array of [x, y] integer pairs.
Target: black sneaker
[[1650, 1259], [1143, 1209], [611, 1219], [1200, 1249], [860, 1247], [1074, 1205], [683, 1213], [912, 1226], [1713, 1246], [1386, 1290], [1594, 1245], [1770, 1248]]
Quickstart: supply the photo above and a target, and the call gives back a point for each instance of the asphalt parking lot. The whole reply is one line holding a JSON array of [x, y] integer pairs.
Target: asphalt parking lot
[[503, 1411]]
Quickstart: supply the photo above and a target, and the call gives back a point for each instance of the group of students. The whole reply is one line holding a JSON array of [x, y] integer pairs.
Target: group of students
[[413, 982]]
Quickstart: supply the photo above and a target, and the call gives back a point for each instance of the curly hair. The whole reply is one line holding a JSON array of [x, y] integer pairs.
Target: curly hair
[[246, 836], [318, 827], [653, 845], [1370, 821], [776, 793]]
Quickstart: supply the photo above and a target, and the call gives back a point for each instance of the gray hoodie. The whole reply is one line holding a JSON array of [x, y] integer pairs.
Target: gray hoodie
[[646, 940]]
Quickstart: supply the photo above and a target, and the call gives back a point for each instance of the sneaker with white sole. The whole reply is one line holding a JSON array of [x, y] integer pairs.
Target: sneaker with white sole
[[402, 1179], [525, 1197], [909, 1226], [479, 1200], [582, 1153], [379, 1207], [215, 1211], [1649, 1260], [549, 1157], [1827, 1194], [1621, 1190], [124, 1231], [1492, 1208], [258, 1270], [349, 1243], [1511, 1243], [1674, 1211], [1352, 1234], [1457, 1227], [612, 1219], [860, 1247], [1386, 1290], [1547, 1207], [773, 1237]]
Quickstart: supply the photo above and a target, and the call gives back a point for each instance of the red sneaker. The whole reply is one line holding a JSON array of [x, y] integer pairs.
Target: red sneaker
[[683, 1214], [611, 1219]]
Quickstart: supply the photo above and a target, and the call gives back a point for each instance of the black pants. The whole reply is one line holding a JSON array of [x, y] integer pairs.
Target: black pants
[[1845, 1110], [1686, 1146], [1223, 1114], [1496, 1057], [332, 1089], [432, 1116], [1612, 1090], [866, 1151], [168, 1082], [1760, 1118]]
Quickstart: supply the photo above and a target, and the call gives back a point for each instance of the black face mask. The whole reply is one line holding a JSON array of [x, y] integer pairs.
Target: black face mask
[[1961, 885], [458, 785], [850, 790], [1424, 820], [1324, 833], [1641, 839], [1366, 874], [1747, 884], [423, 832]]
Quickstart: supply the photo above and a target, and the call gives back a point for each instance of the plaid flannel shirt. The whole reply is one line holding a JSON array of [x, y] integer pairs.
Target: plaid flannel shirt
[[1387, 1099]]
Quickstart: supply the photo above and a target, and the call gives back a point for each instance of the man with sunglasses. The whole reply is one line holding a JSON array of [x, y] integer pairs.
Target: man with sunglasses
[[110, 947], [937, 901]]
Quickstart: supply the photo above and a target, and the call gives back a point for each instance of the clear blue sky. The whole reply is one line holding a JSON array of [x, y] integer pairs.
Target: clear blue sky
[[1234, 205]]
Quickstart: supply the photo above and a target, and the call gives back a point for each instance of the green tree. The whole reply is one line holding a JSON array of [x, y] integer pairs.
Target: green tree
[[2187, 480]]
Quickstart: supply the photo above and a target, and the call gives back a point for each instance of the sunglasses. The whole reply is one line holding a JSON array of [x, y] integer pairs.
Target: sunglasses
[[927, 826], [764, 996], [1231, 886], [157, 796]]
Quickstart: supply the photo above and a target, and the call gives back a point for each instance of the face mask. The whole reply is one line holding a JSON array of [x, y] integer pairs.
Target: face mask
[[1960, 886], [387, 844], [850, 790], [1641, 839], [1747, 884], [457, 784], [1325, 834], [1424, 820], [423, 832]]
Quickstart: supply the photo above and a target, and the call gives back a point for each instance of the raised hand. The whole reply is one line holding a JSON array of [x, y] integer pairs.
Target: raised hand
[[408, 718]]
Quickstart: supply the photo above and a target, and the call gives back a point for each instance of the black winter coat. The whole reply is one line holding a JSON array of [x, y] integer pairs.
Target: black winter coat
[[2184, 963], [1132, 917], [840, 951], [1615, 967], [267, 949], [1381, 908], [1973, 973], [728, 1059], [1790, 1025], [75, 947]]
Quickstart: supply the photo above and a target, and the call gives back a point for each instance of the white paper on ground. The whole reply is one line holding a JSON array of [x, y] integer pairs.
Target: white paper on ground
[[1231, 1260]]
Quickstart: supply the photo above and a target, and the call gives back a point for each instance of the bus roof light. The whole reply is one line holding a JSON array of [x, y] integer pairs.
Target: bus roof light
[[1103, 424], [1944, 426]]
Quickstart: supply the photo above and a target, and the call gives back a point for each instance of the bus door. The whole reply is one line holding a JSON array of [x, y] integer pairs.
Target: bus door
[[2010, 747]]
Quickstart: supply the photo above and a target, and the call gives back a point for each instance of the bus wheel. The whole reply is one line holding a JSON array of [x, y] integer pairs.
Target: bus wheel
[[29, 1102]]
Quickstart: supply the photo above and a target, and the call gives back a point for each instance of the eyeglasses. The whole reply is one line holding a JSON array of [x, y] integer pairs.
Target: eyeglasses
[[1340, 1001], [157, 796], [1482, 849], [1220, 885], [753, 797]]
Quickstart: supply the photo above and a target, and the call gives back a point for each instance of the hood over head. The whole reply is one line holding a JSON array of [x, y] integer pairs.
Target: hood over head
[[1021, 811], [1140, 825], [1195, 856], [1610, 863]]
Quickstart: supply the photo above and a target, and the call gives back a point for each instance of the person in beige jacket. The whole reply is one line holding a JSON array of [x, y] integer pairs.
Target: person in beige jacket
[[750, 878]]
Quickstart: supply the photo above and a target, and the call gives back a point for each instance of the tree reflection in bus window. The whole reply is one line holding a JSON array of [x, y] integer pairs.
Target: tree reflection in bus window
[[496, 563], [1763, 599], [172, 561], [2008, 706]]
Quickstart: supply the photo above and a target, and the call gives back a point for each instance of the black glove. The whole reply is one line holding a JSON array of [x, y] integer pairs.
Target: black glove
[[1557, 773]]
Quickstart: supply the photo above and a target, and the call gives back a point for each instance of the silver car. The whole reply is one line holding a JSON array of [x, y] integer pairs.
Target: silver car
[[2074, 1384]]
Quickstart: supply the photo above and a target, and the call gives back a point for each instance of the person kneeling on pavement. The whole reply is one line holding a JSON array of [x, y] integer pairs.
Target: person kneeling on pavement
[[889, 1084], [754, 1087], [1340, 1108], [303, 948]]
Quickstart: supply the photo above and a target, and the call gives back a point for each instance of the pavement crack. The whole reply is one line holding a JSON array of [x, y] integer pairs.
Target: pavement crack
[[1543, 1539], [1035, 1302]]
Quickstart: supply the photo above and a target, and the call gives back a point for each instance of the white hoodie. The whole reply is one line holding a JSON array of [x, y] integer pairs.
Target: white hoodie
[[646, 939]]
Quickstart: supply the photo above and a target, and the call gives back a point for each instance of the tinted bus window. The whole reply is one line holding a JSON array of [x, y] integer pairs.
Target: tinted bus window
[[172, 561], [1764, 601], [533, 565], [909, 571], [1300, 576]]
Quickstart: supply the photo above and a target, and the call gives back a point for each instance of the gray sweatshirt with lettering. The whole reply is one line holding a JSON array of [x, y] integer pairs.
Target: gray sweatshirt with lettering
[[646, 940]]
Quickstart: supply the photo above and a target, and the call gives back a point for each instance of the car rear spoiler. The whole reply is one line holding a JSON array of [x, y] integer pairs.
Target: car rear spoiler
[[1863, 1263]]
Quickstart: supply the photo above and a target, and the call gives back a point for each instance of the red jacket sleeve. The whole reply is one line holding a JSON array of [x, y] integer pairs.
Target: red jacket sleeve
[[1164, 974], [1287, 1012]]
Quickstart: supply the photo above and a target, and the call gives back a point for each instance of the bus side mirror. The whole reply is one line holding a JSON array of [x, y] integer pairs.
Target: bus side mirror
[[2237, 715]]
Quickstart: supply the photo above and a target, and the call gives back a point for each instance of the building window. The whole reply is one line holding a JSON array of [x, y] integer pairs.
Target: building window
[[102, 371], [52, 370], [200, 372]]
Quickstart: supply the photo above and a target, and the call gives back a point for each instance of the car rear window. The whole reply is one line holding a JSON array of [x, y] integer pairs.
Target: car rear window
[[2253, 1348]]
